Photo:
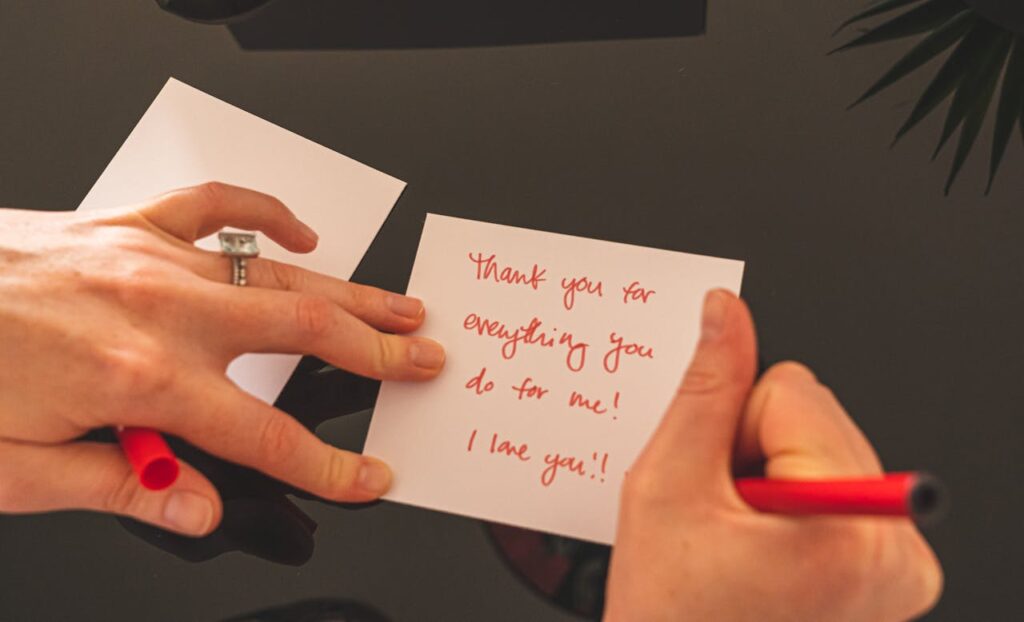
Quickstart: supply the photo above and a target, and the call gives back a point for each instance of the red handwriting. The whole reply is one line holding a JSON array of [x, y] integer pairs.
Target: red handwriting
[[503, 447], [604, 466], [488, 269], [582, 285], [509, 448], [619, 349], [555, 462], [530, 334], [635, 292], [528, 389], [478, 384], [576, 399]]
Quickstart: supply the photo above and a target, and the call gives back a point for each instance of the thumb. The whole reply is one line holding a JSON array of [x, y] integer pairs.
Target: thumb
[[692, 447], [96, 476]]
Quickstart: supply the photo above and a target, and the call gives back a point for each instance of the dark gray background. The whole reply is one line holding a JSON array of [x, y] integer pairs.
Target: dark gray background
[[736, 143]]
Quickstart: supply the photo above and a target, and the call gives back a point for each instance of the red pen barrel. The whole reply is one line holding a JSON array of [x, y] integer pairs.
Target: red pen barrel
[[150, 456], [915, 495]]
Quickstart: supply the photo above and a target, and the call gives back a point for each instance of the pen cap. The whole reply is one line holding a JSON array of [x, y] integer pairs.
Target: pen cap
[[150, 457]]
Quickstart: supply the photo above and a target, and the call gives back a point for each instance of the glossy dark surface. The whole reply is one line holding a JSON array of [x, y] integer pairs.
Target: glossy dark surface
[[735, 143]]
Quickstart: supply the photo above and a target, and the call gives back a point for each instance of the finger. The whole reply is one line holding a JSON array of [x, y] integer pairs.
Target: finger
[[692, 447], [236, 426], [797, 427], [273, 321], [96, 476], [193, 213], [379, 308]]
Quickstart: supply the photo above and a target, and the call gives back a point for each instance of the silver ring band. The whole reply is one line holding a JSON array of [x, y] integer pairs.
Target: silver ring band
[[238, 271]]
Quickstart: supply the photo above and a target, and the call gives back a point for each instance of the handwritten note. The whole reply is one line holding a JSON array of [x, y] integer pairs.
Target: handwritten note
[[188, 137], [563, 353]]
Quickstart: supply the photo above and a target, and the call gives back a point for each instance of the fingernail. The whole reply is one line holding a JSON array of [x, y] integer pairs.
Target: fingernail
[[374, 476], [188, 512], [307, 232], [716, 303], [426, 354], [406, 306]]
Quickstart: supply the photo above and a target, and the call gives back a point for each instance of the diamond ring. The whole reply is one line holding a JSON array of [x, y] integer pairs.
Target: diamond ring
[[239, 247]]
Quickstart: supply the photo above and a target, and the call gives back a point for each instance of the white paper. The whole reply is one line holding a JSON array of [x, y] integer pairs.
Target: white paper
[[426, 431], [187, 137]]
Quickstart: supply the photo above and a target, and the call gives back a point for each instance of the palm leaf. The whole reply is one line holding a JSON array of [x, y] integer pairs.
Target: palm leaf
[[979, 88], [1010, 102], [933, 45], [876, 9], [959, 63], [923, 18], [976, 86]]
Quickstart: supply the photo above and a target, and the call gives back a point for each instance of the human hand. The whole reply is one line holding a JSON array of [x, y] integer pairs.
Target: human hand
[[115, 318], [689, 548]]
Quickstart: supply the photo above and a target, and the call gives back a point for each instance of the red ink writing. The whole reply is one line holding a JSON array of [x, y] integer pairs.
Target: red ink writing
[[509, 448], [635, 292], [579, 285], [576, 399], [604, 465], [555, 462], [472, 437], [528, 389], [488, 269], [477, 383], [620, 349], [530, 334]]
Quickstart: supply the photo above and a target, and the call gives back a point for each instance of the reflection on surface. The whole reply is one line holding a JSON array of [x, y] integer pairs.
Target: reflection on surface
[[319, 610], [259, 518], [983, 34], [569, 573], [368, 24]]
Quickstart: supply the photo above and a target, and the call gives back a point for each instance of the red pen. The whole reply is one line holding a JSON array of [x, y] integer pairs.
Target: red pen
[[150, 457], [915, 495]]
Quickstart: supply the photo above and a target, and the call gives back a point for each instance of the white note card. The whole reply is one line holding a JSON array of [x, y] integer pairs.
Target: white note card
[[187, 137], [563, 353]]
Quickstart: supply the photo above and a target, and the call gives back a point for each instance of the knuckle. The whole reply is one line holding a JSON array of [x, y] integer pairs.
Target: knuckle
[[123, 493], [361, 297], [930, 580], [138, 372], [284, 276], [314, 317], [132, 284], [211, 194], [385, 357], [700, 380], [277, 440], [339, 478], [920, 569], [853, 561], [640, 486]]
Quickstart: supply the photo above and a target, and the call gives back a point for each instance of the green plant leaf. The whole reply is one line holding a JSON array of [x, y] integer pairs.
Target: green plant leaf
[[876, 8], [1010, 102], [977, 89], [923, 18], [933, 45], [950, 74], [978, 84]]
